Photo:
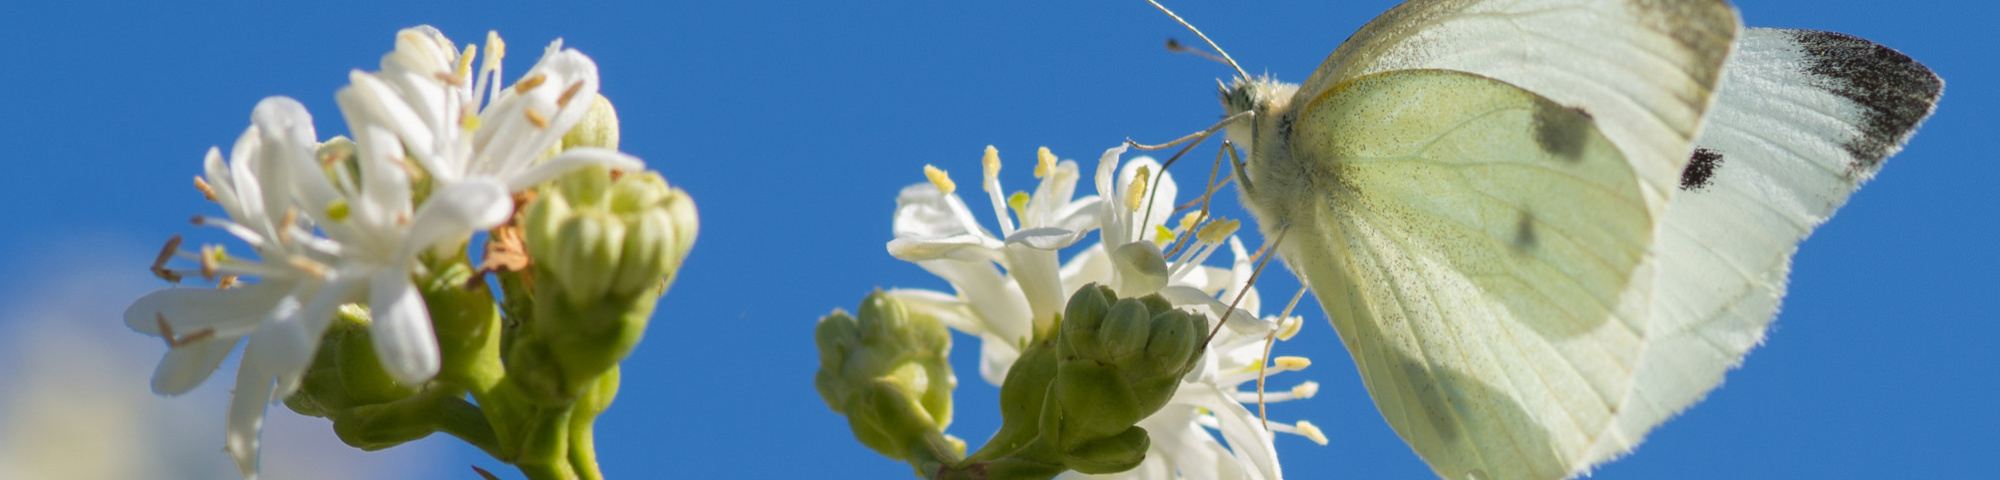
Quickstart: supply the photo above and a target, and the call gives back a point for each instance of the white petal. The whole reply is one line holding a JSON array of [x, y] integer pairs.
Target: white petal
[[384, 200], [1045, 238], [372, 99], [1088, 266], [402, 328], [455, 212], [508, 141], [188, 365], [1040, 278], [917, 249], [1141, 269], [921, 211], [995, 300], [996, 356], [569, 161], [231, 313], [246, 416], [1107, 165], [1240, 320], [1247, 437], [1080, 215], [947, 308]]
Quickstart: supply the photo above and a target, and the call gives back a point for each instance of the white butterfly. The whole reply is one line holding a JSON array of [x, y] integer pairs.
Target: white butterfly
[[1542, 227]]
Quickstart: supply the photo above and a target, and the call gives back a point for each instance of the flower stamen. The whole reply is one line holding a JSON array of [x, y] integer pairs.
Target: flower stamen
[[569, 93], [940, 179], [1044, 162], [526, 84], [207, 191], [167, 253], [167, 333], [308, 265], [226, 282], [285, 226], [536, 118], [211, 260]]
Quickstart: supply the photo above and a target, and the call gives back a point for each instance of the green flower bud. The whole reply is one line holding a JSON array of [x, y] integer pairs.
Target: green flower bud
[[593, 237], [887, 371], [1117, 362], [599, 128], [345, 372]]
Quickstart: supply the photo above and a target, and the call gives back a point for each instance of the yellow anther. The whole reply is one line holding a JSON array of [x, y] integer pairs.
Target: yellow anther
[[1019, 202], [1137, 191], [1311, 432], [1293, 363], [495, 49], [1045, 162], [1193, 218], [207, 191], [463, 70], [991, 162], [1306, 390], [1162, 236], [337, 211], [1217, 231], [536, 118], [285, 226], [226, 282], [940, 179], [527, 84], [307, 265], [569, 93]]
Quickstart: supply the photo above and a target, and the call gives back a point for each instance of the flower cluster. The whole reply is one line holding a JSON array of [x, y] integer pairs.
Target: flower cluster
[[1010, 287], [438, 152]]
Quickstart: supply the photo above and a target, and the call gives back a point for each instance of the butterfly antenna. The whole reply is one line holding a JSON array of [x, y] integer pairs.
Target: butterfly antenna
[[1197, 32]]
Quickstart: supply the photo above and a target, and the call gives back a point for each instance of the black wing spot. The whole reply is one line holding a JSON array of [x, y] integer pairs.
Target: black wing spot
[[1894, 92], [1700, 171], [1524, 232], [1561, 131]]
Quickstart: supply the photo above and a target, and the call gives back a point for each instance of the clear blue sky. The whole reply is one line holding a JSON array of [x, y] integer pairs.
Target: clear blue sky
[[793, 124]]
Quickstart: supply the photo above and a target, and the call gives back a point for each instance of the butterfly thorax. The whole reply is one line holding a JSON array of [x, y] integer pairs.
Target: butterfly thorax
[[1269, 170]]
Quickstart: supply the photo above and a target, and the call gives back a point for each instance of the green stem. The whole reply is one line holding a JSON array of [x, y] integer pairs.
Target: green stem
[[466, 421]]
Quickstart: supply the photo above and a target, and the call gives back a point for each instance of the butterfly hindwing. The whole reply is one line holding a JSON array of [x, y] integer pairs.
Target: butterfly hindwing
[[1471, 242]]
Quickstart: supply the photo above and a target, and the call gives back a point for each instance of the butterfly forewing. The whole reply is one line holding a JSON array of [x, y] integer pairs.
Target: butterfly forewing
[[1803, 118], [1645, 68]]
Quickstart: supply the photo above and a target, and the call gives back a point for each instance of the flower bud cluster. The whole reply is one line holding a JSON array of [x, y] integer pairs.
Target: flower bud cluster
[[888, 372]]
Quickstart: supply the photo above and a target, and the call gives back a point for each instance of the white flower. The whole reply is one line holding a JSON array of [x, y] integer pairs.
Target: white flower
[[420, 116], [255, 188], [935, 229], [461, 126]]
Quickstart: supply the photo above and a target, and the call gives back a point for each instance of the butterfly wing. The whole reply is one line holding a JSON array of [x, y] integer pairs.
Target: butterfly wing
[[1473, 243], [1647, 68], [1476, 187], [1802, 119]]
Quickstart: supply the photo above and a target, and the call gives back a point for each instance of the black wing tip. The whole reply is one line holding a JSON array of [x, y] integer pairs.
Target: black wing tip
[[1895, 91]]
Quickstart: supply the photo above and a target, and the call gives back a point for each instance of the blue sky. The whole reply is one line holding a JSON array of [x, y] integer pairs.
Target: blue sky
[[793, 125]]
